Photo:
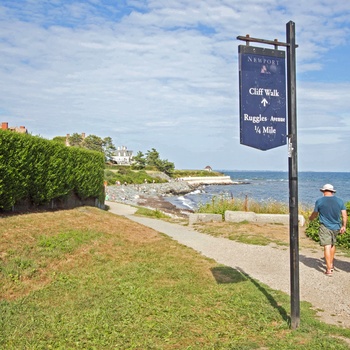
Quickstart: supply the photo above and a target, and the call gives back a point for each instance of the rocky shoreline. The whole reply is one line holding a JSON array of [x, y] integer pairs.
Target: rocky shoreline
[[152, 195], [130, 194]]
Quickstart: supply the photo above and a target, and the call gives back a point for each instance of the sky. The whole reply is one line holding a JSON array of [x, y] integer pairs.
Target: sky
[[164, 74]]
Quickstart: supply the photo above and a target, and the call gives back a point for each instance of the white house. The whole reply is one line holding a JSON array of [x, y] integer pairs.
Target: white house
[[122, 156]]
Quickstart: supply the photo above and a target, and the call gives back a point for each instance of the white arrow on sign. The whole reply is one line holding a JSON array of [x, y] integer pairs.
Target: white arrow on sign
[[264, 102]]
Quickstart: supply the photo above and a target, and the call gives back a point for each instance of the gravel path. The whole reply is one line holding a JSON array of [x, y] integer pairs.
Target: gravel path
[[267, 264]]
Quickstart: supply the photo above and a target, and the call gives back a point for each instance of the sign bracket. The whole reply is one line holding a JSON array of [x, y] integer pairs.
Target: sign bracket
[[274, 42]]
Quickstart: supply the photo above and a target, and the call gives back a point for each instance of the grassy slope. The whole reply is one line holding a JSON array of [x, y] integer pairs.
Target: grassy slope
[[85, 279]]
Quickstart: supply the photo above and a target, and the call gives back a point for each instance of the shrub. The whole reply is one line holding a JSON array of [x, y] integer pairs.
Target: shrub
[[342, 240], [186, 173], [129, 176]]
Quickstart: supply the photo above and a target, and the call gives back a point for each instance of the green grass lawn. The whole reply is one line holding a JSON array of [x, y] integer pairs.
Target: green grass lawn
[[88, 279]]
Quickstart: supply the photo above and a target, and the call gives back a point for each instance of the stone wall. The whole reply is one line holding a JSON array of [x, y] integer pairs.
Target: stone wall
[[239, 216]]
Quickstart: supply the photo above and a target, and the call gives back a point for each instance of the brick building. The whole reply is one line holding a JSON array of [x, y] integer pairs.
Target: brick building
[[21, 129]]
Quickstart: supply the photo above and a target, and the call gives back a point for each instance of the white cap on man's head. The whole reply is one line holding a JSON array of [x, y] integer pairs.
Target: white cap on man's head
[[328, 187]]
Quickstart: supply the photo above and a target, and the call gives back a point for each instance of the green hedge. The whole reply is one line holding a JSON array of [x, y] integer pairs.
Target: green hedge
[[39, 170]]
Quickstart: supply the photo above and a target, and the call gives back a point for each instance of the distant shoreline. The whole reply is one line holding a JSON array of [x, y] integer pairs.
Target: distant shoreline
[[207, 180]]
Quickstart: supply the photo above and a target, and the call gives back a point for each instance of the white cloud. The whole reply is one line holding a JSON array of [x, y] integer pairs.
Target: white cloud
[[163, 73]]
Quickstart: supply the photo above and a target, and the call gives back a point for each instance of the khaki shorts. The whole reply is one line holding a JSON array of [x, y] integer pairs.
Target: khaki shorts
[[327, 236]]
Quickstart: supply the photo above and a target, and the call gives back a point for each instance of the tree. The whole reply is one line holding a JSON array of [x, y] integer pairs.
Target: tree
[[60, 139], [152, 158], [166, 167], [75, 140], [108, 147], [93, 143], [139, 161]]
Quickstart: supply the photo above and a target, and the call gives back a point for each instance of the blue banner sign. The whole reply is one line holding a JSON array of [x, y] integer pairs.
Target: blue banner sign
[[262, 81]]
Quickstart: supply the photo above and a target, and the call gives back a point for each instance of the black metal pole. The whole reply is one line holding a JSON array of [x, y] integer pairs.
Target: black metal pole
[[293, 177]]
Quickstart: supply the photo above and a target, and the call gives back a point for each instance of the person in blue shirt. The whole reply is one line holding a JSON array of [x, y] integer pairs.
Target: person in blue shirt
[[333, 217]]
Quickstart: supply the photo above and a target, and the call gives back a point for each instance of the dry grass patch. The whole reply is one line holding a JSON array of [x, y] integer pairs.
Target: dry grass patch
[[35, 247]]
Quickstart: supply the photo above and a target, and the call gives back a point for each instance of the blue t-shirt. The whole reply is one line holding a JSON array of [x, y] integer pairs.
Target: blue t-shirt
[[329, 209]]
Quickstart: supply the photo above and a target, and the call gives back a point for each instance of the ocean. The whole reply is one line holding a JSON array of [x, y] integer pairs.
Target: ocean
[[267, 186]]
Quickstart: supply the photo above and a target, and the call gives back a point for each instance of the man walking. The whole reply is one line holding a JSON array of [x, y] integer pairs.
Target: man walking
[[333, 218]]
